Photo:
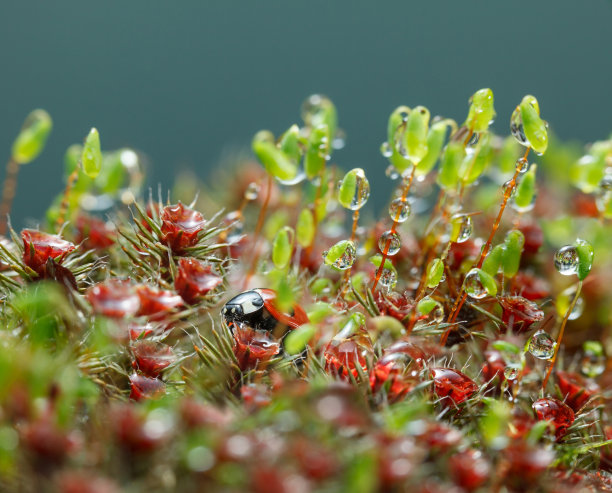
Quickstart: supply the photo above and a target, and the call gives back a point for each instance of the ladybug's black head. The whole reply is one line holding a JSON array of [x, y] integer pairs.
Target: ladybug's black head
[[247, 308]]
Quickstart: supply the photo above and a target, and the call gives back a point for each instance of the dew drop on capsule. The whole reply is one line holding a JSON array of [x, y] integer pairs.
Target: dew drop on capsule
[[392, 172], [541, 345], [461, 228], [516, 128], [399, 210], [391, 241], [511, 372], [566, 260], [564, 301], [473, 285], [592, 365], [386, 150], [388, 278], [361, 192], [346, 260], [252, 191]]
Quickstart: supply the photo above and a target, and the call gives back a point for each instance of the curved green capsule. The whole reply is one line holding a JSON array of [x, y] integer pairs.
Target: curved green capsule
[[317, 151], [290, 143], [586, 254], [32, 138], [91, 158], [511, 255], [415, 137], [481, 112], [435, 271], [526, 189], [297, 340], [319, 110], [305, 229], [453, 156], [534, 127], [488, 282], [282, 247], [435, 142], [275, 161], [493, 260], [426, 305]]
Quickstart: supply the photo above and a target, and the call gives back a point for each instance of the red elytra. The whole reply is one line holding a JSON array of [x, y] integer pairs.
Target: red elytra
[[469, 469], [143, 387], [180, 226], [195, 280], [157, 303], [452, 384], [115, 298], [519, 314], [575, 389], [553, 410], [253, 349], [38, 247], [152, 358], [294, 320]]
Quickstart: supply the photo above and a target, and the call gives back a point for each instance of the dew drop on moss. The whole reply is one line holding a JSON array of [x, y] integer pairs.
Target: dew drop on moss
[[541, 345]]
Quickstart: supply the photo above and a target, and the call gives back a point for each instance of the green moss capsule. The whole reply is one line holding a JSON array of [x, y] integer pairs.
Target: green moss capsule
[[91, 158], [524, 197], [354, 190], [511, 254], [435, 271], [481, 112], [586, 254], [32, 138], [282, 247], [305, 228], [318, 151], [275, 161], [453, 156], [415, 135], [435, 142]]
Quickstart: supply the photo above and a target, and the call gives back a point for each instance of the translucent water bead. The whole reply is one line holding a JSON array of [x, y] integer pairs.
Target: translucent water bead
[[391, 239], [473, 285], [566, 260], [461, 228], [541, 345], [399, 210]]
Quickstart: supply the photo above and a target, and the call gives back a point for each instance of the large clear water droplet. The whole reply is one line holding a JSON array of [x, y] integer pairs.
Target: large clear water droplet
[[566, 260], [390, 241], [461, 228], [516, 128], [388, 279], [473, 286], [252, 191], [541, 345], [399, 210], [511, 372]]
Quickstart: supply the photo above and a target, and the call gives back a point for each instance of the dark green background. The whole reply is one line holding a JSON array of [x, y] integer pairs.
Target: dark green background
[[187, 80]]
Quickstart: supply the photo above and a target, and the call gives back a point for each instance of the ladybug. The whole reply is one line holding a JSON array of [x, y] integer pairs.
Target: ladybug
[[256, 309]]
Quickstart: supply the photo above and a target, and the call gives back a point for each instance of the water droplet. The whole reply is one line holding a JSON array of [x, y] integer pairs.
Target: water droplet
[[603, 196], [386, 150], [339, 140], [392, 172], [391, 241], [522, 165], [461, 228], [314, 110], [473, 142], [299, 178], [361, 191], [511, 372], [509, 187], [516, 128], [388, 279], [344, 261], [566, 260], [252, 191], [541, 345], [473, 286], [399, 210]]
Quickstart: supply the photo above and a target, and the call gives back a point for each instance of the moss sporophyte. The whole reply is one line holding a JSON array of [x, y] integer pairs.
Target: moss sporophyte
[[275, 333]]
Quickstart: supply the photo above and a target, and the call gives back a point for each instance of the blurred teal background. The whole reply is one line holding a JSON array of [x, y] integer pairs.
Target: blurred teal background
[[188, 81]]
